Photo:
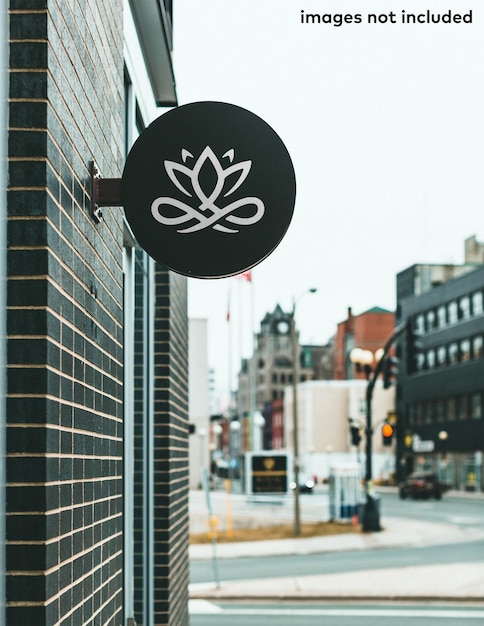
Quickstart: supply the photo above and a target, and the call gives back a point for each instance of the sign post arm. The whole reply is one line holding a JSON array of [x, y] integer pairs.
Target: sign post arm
[[104, 192]]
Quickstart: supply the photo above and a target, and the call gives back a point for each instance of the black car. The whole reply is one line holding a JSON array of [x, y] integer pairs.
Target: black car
[[422, 485], [304, 487]]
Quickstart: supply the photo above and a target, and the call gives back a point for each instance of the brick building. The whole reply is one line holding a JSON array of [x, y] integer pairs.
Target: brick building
[[96, 409], [368, 331]]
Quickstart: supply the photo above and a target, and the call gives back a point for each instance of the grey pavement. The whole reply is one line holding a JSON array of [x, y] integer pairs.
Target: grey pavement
[[450, 582]]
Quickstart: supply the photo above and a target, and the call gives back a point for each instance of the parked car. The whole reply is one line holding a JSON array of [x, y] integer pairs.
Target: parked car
[[422, 485], [305, 487]]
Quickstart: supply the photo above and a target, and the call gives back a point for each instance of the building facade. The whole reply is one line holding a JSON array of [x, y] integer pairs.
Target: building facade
[[264, 377], [97, 398], [325, 408], [199, 376], [368, 331], [440, 396]]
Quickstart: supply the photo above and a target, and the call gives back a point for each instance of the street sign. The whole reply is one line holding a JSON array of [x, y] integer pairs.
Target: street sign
[[267, 473], [209, 190], [426, 445]]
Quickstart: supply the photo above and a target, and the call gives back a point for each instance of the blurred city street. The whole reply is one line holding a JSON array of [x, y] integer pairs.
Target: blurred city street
[[427, 552]]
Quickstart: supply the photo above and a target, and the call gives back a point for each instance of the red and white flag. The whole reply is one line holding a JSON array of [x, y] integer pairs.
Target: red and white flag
[[245, 276]]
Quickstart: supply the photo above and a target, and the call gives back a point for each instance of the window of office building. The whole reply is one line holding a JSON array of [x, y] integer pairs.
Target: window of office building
[[477, 347], [420, 323], [453, 353], [452, 312], [419, 413], [477, 304], [441, 355], [465, 350], [441, 316], [463, 407], [430, 319], [451, 409], [420, 361], [439, 410], [411, 411], [476, 405], [431, 358], [427, 413], [464, 307]]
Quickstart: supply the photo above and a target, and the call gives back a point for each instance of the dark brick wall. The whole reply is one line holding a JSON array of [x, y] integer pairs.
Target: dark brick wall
[[171, 450], [65, 352]]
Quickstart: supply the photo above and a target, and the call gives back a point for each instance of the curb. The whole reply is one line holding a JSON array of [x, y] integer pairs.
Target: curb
[[216, 597]]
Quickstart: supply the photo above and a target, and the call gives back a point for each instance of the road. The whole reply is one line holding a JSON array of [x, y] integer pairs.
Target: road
[[460, 512]]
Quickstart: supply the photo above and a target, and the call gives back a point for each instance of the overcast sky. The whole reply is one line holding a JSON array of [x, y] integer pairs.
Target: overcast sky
[[385, 126]]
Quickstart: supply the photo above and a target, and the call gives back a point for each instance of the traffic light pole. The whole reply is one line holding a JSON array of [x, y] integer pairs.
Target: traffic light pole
[[371, 514]]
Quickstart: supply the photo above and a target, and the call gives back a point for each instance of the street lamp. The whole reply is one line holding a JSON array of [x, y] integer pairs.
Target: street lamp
[[295, 419], [363, 359]]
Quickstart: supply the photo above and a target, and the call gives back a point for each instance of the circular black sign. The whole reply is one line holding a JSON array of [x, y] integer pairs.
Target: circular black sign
[[209, 190]]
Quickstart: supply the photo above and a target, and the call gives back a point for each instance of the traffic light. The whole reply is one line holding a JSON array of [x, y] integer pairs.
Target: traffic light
[[390, 371], [387, 431]]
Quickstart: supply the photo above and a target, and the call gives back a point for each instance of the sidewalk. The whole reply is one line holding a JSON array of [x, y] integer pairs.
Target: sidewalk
[[452, 582]]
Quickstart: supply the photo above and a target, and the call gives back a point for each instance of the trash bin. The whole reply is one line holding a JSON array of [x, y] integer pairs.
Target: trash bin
[[345, 495]]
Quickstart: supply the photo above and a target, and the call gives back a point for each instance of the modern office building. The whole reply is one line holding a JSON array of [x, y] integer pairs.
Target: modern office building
[[97, 401], [440, 396]]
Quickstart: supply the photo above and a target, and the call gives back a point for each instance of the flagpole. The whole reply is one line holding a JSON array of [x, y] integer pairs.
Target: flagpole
[[230, 354]]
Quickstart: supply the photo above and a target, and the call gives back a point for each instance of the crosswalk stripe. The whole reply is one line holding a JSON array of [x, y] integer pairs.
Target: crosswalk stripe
[[203, 607]]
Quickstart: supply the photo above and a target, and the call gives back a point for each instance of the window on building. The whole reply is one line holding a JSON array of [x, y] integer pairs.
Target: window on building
[[274, 378], [464, 307], [420, 323], [463, 407], [465, 349], [477, 304], [451, 409], [439, 410], [431, 359], [452, 315], [282, 361], [476, 406], [441, 355], [441, 316], [420, 361], [418, 415], [411, 410], [453, 353], [430, 319], [477, 347], [427, 413]]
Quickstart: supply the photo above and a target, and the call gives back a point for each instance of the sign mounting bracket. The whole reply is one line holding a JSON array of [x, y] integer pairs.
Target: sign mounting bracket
[[104, 192]]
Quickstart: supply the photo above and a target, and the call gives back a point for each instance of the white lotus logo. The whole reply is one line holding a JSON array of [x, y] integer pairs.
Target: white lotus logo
[[208, 213]]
